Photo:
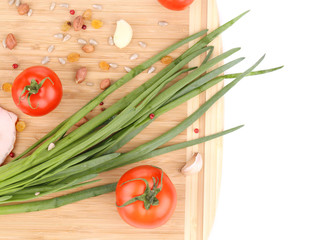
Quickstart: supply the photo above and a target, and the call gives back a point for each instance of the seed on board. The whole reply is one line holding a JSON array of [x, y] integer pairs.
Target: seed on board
[[65, 5], [73, 57], [72, 12], [37, 193], [134, 56], [11, 2], [87, 15], [97, 6], [162, 23], [17, 3], [58, 35], [104, 66], [30, 13], [151, 69], [128, 69], [78, 23], [66, 38], [166, 60], [20, 126], [89, 83], [15, 65], [45, 60], [51, 146], [62, 61], [142, 44], [97, 24], [84, 27], [50, 48], [105, 84], [81, 41], [113, 65], [66, 26], [93, 42], [11, 41], [110, 41], [23, 9], [88, 48], [52, 6], [4, 43]]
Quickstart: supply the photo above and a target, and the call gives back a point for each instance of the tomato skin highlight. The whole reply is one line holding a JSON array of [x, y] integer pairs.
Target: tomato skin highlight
[[135, 213], [176, 5], [48, 97]]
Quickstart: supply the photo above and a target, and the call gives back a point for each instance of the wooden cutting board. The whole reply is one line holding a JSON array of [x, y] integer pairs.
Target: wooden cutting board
[[97, 218]]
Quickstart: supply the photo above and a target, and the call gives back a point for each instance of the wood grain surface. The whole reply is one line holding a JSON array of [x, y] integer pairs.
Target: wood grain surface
[[97, 218]]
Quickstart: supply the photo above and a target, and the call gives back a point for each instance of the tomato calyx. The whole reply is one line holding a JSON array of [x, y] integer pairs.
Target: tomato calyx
[[149, 197], [31, 89]]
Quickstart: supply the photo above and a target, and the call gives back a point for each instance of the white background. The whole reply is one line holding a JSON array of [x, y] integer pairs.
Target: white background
[[277, 170]]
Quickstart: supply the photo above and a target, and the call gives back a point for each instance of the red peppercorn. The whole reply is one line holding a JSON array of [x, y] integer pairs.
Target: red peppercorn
[[151, 116], [84, 27], [12, 155], [72, 12], [196, 130], [103, 109], [15, 65], [101, 104]]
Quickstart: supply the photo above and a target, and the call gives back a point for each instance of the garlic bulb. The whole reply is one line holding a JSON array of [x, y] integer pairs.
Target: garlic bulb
[[194, 165]]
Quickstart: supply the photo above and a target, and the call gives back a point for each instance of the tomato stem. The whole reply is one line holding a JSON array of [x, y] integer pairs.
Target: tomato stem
[[31, 89], [149, 197]]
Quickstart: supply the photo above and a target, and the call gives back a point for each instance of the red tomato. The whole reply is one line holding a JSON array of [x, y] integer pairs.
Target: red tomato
[[37, 91], [158, 190], [176, 5]]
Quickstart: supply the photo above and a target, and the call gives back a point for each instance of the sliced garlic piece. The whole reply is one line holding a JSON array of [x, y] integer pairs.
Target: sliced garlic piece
[[194, 165], [123, 34]]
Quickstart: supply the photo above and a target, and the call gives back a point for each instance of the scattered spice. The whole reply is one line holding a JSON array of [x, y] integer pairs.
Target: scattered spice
[[105, 84], [15, 65], [20, 126], [151, 69], [88, 48], [72, 12], [87, 15], [196, 130], [162, 23], [110, 41], [103, 109], [62, 61], [97, 6], [45, 60], [23, 9], [93, 42], [4, 43], [128, 69], [11, 2], [113, 65], [58, 35], [84, 27], [78, 23], [30, 13], [104, 66], [101, 103], [97, 24], [52, 6], [7, 87], [134, 56], [11, 41], [66, 38], [142, 44], [81, 41], [151, 116], [50, 48], [66, 26], [12, 155], [89, 83], [37, 193], [51, 146], [167, 60], [65, 5], [73, 57], [17, 3]]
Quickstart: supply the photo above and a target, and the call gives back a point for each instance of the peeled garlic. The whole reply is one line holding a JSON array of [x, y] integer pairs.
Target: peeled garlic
[[123, 34], [194, 165]]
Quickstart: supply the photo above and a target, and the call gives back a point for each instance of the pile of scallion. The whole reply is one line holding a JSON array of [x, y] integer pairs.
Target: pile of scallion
[[79, 156]]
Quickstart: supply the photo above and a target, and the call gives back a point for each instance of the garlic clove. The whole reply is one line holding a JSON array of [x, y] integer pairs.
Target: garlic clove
[[194, 165], [123, 34]]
